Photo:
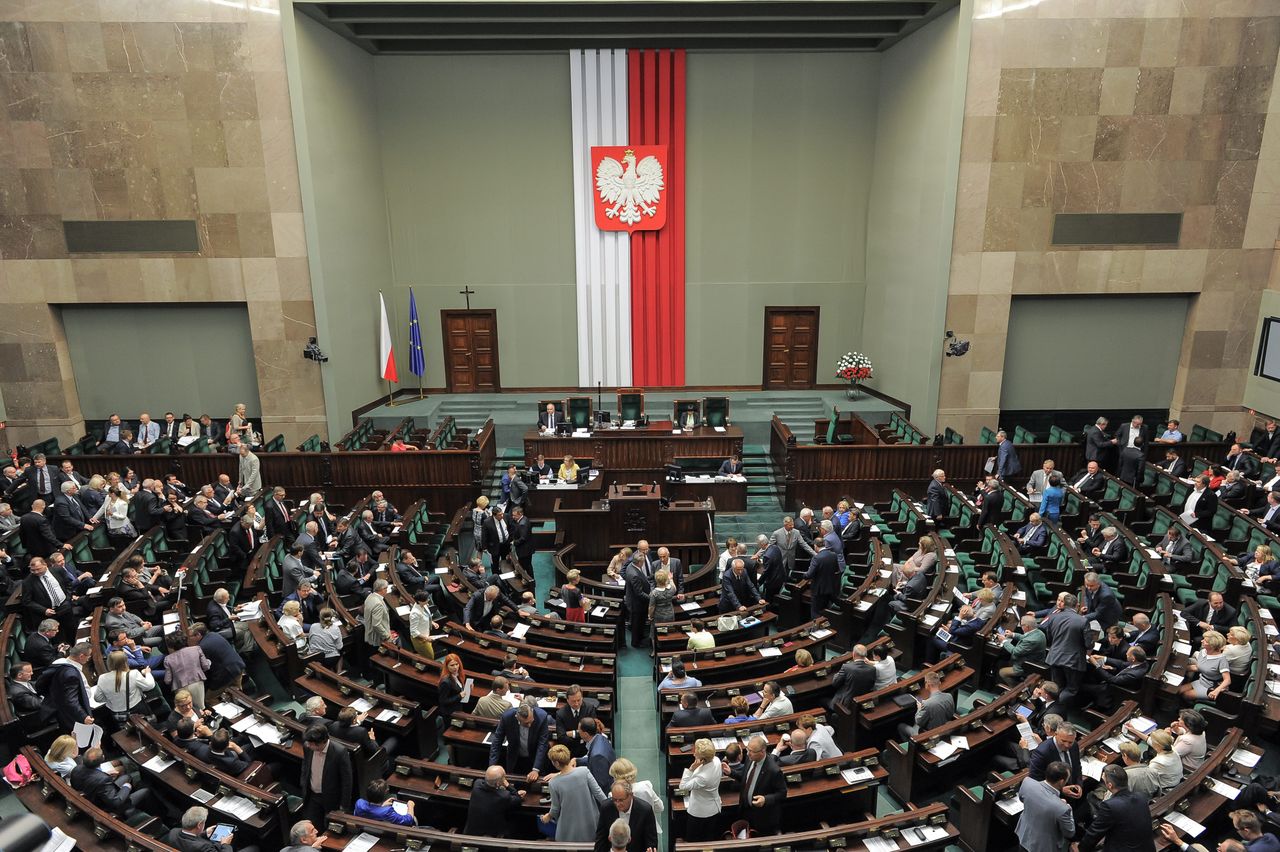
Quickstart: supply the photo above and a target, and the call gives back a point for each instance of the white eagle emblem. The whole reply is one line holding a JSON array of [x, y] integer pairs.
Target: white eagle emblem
[[631, 190]]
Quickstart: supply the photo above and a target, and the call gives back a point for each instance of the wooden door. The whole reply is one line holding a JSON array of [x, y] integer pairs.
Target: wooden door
[[790, 347], [470, 351]]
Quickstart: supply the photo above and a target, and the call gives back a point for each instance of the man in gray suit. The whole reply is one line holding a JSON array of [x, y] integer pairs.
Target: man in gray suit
[[788, 539], [1039, 481], [1175, 550], [1029, 646], [1046, 823], [293, 571], [250, 477], [1064, 629], [377, 622], [936, 708]]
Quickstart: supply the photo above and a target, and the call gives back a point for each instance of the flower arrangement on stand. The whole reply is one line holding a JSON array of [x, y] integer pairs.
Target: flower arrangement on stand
[[855, 368]]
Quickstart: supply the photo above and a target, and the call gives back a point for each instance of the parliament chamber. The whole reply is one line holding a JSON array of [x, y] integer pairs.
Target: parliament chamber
[[424, 425]]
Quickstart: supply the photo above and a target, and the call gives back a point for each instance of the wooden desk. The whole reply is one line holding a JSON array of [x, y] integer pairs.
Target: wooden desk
[[626, 520], [542, 498], [640, 452], [728, 495]]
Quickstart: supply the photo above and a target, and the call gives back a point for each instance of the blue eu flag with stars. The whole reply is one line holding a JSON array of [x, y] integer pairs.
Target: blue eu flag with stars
[[416, 364]]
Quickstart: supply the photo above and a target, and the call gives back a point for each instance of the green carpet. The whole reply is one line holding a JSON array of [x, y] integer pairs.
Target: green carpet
[[636, 723]]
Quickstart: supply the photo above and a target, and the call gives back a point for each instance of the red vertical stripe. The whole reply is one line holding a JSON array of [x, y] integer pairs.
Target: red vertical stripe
[[656, 89]]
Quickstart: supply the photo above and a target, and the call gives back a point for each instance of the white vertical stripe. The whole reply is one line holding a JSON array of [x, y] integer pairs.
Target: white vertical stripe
[[598, 80]]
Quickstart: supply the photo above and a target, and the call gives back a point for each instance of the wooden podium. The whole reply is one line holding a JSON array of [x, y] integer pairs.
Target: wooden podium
[[632, 512]]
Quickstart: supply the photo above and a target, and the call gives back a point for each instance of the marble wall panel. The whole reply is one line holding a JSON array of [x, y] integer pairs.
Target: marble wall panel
[[148, 109]]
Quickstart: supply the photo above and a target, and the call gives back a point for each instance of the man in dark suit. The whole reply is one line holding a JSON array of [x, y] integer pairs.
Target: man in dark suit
[[1131, 440], [27, 701], [1175, 551], [738, 591], [1113, 554], [326, 778], [69, 515], [638, 577], [226, 667], [46, 595], [42, 479], [636, 813], [1033, 537], [690, 715], [1244, 462], [1064, 629], [1090, 482], [522, 544], [674, 567], [369, 535], [150, 503], [308, 598], [731, 467], [496, 538], [277, 515], [910, 590], [824, 579], [937, 500], [1098, 445], [115, 797], [1144, 634], [491, 801], [963, 628], [549, 419], [1061, 746], [1173, 464], [772, 573], [310, 546], [482, 605], [1268, 514], [42, 646], [385, 517], [1200, 506], [520, 741], [795, 749], [990, 500], [576, 707], [1130, 676], [1211, 613], [243, 541], [856, 677], [1122, 823], [200, 519], [1099, 602], [762, 788], [1265, 440], [349, 541], [1007, 463], [63, 684], [35, 533]]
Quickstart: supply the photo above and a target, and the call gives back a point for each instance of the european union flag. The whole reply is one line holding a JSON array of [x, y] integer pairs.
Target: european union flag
[[416, 364]]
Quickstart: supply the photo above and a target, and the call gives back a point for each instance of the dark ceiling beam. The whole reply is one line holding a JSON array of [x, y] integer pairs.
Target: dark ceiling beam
[[419, 46], [528, 12], [651, 29]]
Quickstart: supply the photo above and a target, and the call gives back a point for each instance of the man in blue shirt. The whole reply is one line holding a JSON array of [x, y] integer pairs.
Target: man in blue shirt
[[1171, 434]]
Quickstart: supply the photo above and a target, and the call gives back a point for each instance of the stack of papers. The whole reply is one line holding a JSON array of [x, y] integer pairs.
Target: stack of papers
[[361, 705], [228, 710], [1142, 724], [1091, 767], [960, 742], [170, 618], [943, 750], [201, 795], [771, 652], [690, 606], [389, 716], [1012, 806], [238, 806], [721, 743], [264, 732], [250, 611], [1182, 647]]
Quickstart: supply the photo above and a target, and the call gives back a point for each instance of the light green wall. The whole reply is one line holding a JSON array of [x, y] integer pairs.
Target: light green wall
[[1261, 394], [1063, 352], [479, 183], [912, 210], [778, 171], [112, 346], [340, 167]]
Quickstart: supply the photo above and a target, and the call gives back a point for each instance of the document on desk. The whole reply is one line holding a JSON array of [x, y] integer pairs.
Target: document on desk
[[228, 710], [1091, 767], [1244, 757], [943, 750], [1182, 647], [1173, 678], [857, 775], [389, 716], [518, 631], [1180, 820], [266, 732], [159, 763], [1142, 724], [1222, 788], [202, 795], [361, 705], [771, 652], [690, 606], [58, 842], [238, 806], [1012, 805], [244, 724], [170, 618], [362, 842], [879, 844]]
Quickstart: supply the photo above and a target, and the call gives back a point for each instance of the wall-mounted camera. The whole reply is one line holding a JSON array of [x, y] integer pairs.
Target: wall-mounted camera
[[956, 347], [312, 352]]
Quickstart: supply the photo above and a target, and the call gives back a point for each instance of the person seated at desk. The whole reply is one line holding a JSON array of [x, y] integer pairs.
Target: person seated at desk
[[739, 710], [568, 469], [541, 467], [678, 679], [379, 804], [731, 467], [549, 419], [399, 445], [117, 798], [700, 638]]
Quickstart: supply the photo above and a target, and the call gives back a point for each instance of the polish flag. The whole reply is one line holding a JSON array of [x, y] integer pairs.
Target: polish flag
[[386, 355]]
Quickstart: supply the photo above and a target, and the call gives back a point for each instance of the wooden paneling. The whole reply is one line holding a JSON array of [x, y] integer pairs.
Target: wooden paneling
[[636, 453]]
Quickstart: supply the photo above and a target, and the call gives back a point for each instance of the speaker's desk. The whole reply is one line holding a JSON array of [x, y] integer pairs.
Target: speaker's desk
[[636, 455], [628, 516]]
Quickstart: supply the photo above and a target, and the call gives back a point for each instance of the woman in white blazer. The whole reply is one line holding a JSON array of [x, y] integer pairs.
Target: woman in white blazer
[[701, 783]]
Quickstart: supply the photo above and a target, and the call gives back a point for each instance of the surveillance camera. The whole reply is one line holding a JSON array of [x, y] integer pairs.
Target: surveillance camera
[[957, 348], [312, 352]]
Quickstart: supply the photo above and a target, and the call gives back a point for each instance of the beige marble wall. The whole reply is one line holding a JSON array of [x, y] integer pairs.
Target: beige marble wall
[[1117, 106], [149, 109]]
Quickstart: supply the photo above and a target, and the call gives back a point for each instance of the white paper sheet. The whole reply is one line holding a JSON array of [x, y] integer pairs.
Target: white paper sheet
[[361, 705], [1222, 788], [1180, 820], [159, 763], [924, 834], [771, 652], [362, 842], [1012, 806], [228, 710], [87, 736], [857, 775]]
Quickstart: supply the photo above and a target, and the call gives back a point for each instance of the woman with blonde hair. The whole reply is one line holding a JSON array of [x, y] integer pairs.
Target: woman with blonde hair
[[624, 770], [1239, 651], [575, 798], [478, 514], [803, 660], [62, 755], [291, 622], [572, 597], [239, 424], [324, 637], [124, 690], [617, 570], [1166, 765], [1212, 667], [701, 784]]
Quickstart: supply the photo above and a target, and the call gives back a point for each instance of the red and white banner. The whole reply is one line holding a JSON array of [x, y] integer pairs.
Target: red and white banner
[[630, 185], [631, 328], [386, 354]]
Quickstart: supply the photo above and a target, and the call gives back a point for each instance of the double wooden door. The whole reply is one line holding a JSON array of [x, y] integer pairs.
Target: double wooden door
[[790, 348], [470, 350]]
